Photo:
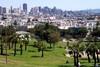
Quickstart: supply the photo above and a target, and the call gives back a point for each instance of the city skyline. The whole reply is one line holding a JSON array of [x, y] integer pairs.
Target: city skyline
[[64, 5]]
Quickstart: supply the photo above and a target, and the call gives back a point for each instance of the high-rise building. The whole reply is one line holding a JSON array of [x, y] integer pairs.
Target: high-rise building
[[25, 7], [4, 10], [1, 11], [11, 9]]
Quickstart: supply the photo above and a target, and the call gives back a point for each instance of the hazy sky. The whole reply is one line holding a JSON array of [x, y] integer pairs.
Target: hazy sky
[[62, 4]]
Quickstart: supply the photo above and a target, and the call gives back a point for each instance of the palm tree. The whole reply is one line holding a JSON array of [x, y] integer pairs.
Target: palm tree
[[80, 47], [15, 40], [95, 46], [1, 44], [73, 48], [98, 45], [21, 49], [88, 47], [21, 42], [26, 41], [8, 41]]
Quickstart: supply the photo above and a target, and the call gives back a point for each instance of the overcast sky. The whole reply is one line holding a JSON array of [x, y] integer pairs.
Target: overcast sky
[[61, 4]]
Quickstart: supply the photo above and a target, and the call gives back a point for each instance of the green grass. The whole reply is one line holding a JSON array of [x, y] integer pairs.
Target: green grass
[[32, 58]]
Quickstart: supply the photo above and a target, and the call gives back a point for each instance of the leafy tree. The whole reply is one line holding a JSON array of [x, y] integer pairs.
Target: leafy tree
[[54, 37], [41, 46], [96, 33], [45, 32], [74, 32]]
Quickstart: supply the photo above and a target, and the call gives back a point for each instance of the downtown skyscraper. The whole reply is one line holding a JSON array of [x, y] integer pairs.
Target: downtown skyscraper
[[25, 7]]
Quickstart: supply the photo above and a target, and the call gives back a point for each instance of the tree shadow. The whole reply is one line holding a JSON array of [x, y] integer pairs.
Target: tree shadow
[[73, 66], [35, 56], [31, 45], [11, 53], [86, 66], [31, 51], [65, 66], [48, 50], [49, 47], [17, 49], [5, 54], [60, 47]]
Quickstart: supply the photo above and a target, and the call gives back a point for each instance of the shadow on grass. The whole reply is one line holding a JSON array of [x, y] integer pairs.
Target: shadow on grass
[[17, 49], [48, 50], [31, 51], [73, 66], [86, 66], [11, 53], [5, 54], [50, 47], [32, 45], [36, 56], [65, 66]]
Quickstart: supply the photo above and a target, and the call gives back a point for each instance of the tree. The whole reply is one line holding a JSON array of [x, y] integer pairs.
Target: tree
[[21, 42], [26, 41], [54, 37], [96, 34], [74, 32], [80, 47], [15, 40], [88, 47], [73, 48], [68, 37], [21, 49], [5, 34], [1, 44], [97, 24], [47, 33], [8, 32], [41, 46]]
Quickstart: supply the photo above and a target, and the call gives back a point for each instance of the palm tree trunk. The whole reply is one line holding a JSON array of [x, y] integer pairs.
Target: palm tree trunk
[[77, 59], [88, 57], [94, 58], [15, 49], [1, 49], [25, 47], [74, 59], [21, 51], [42, 53], [97, 56]]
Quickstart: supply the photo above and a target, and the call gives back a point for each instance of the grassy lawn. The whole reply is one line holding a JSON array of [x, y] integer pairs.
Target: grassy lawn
[[32, 58]]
